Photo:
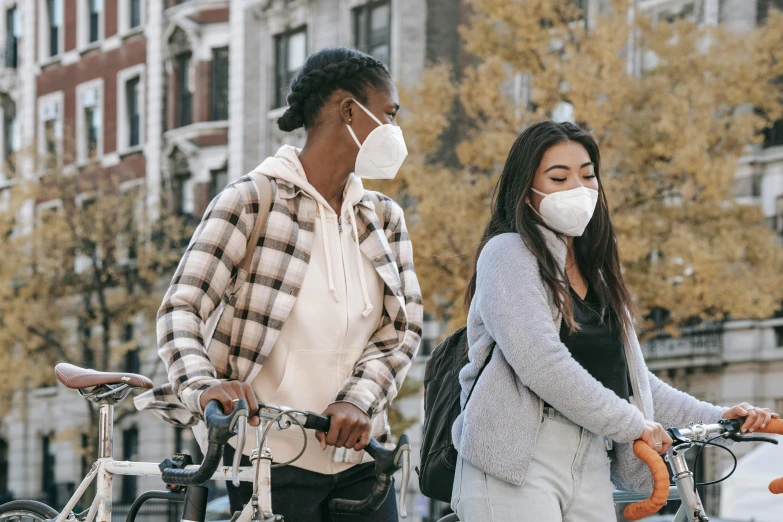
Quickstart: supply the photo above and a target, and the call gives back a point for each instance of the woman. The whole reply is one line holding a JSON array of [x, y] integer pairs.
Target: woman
[[565, 377], [331, 314]]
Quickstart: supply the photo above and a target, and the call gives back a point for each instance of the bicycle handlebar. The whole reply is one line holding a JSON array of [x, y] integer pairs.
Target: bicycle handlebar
[[660, 474], [221, 428]]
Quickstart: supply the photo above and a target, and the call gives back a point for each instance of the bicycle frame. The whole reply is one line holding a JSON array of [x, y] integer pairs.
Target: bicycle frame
[[105, 468]]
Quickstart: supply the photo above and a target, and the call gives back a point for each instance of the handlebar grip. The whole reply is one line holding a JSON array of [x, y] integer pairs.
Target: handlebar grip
[[774, 426], [317, 422], [220, 428], [377, 497], [387, 463], [660, 492]]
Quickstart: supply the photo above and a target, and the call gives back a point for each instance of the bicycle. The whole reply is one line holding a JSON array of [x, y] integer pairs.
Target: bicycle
[[182, 477], [684, 488]]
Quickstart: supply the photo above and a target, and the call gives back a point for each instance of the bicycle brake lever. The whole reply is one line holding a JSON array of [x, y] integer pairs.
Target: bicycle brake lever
[[241, 428], [404, 461], [739, 438]]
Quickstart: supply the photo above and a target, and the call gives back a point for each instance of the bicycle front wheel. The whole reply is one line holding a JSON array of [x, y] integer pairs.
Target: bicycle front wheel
[[26, 511]]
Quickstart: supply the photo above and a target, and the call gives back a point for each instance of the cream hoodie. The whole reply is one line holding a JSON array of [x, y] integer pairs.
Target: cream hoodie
[[338, 309]]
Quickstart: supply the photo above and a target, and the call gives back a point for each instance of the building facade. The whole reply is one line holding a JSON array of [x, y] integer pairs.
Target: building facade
[[182, 96]]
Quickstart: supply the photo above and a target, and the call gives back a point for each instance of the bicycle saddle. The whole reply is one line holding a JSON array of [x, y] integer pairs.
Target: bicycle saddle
[[79, 378]]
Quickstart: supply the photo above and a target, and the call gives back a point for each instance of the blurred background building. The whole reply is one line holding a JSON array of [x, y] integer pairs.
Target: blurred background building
[[185, 95]]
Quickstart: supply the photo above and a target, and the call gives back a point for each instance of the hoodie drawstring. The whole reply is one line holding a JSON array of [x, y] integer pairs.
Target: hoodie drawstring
[[368, 308], [327, 251]]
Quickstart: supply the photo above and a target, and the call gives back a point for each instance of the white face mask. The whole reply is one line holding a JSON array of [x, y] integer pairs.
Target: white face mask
[[383, 151], [568, 211]]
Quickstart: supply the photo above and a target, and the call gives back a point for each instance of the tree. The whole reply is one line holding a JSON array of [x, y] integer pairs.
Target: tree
[[80, 261], [673, 105]]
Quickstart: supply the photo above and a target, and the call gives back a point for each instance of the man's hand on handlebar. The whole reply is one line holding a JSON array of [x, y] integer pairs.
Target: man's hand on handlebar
[[656, 437], [226, 394], [350, 427], [755, 418]]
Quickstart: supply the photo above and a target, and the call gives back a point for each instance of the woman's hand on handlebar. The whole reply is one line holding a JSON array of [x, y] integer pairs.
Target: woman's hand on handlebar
[[755, 418], [349, 428], [656, 437], [226, 392]]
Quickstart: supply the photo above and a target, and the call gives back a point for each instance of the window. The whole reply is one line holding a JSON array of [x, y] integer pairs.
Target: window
[[11, 137], [11, 38], [219, 84], [89, 121], [50, 137], [85, 452], [92, 120], [290, 55], [54, 10], [47, 469], [130, 450], [219, 180], [135, 13], [184, 96], [779, 336], [132, 360], [773, 135], [180, 195], [95, 8], [372, 29], [132, 111], [763, 7]]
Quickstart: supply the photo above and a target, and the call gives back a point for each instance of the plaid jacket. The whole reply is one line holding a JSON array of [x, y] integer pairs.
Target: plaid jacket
[[256, 312]]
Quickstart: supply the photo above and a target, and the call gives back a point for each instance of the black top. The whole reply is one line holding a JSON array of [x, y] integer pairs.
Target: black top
[[598, 346]]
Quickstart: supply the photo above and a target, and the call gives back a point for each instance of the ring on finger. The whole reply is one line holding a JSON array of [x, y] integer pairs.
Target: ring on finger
[[235, 400]]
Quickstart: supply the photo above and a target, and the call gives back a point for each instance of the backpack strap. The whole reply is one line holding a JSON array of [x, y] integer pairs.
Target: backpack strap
[[264, 186]]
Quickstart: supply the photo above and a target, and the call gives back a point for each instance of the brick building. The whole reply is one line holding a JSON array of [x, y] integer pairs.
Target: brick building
[[144, 88]]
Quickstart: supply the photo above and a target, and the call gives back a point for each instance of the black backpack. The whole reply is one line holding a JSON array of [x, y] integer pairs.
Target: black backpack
[[441, 408]]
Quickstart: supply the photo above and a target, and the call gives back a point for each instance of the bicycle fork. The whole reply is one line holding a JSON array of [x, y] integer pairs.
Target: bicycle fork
[[691, 509]]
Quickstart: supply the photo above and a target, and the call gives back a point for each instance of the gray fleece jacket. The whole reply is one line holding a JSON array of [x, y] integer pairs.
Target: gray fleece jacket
[[497, 430]]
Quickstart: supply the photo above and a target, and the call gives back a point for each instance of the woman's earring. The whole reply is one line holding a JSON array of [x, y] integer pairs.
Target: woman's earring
[[349, 120]]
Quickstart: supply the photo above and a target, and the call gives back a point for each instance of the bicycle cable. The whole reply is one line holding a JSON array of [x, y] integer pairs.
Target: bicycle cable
[[293, 420], [702, 445]]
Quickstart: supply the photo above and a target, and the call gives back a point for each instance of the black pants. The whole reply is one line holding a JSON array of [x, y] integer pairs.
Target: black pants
[[303, 496]]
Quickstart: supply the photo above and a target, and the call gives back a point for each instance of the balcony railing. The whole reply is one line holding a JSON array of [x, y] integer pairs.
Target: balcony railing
[[694, 347]]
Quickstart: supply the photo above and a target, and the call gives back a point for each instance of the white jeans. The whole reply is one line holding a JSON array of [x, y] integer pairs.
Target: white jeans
[[567, 481]]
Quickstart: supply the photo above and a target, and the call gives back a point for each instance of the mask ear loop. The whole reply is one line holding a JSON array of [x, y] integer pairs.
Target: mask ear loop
[[371, 115]]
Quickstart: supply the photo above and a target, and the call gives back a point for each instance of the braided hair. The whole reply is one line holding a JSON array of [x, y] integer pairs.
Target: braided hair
[[323, 73]]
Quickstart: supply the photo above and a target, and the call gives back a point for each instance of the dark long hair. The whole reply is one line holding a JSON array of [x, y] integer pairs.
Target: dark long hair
[[595, 251], [323, 73]]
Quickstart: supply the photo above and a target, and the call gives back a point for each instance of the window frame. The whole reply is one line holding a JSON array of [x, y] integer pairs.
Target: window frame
[[84, 27], [214, 186], [51, 102], [216, 101], [125, 16], [123, 123], [82, 155], [362, 14], [8, 138], [280, 83], [183, 64], [46, 28], [12, 29]]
